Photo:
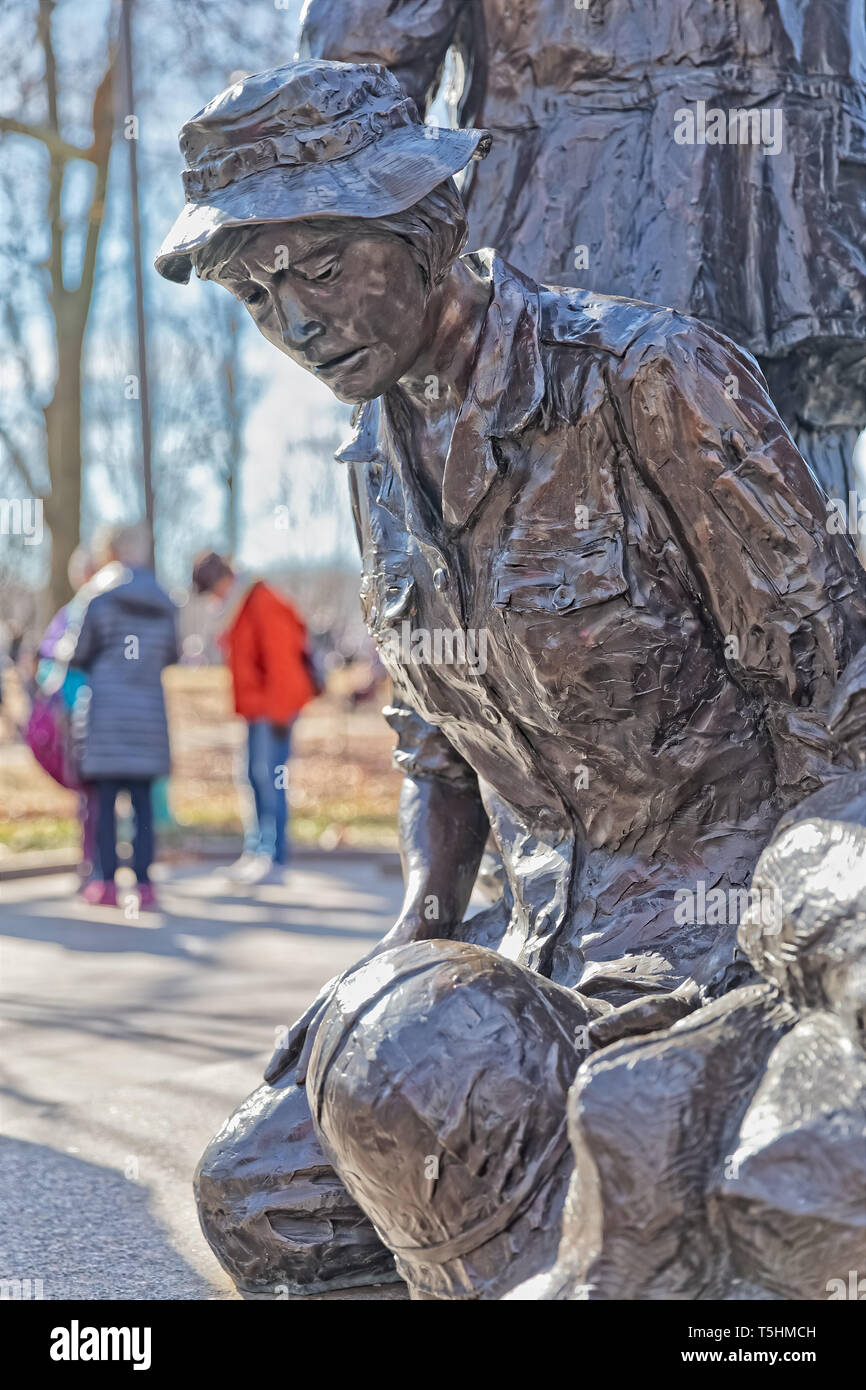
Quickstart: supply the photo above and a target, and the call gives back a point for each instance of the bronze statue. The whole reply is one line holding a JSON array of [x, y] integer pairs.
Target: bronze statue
[[278, 1216], [743, 1126], [612, 167], [599, 575], [438, 1082]]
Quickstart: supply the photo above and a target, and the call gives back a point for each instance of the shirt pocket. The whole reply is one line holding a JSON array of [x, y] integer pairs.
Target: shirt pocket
[[562, 606], [556, 574]]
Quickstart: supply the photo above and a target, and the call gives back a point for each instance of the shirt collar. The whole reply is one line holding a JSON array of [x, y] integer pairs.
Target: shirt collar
[[505, 389]]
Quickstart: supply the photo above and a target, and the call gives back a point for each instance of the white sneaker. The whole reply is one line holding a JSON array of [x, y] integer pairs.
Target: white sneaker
[[248, 868], [274, 873]]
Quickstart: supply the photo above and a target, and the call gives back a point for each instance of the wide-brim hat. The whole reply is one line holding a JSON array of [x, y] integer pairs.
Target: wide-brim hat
[[311, 139], [446, 1050]]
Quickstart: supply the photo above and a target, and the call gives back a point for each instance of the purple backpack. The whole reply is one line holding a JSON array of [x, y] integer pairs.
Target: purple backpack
[[49, 736], [58, 716], [53, 729]]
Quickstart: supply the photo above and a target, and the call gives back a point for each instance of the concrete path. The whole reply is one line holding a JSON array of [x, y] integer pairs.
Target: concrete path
[[126, 1044]]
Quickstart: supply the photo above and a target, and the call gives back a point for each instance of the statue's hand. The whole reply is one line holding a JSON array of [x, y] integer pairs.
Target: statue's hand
[[304, 1028], [298, 1045], [645, 1015]]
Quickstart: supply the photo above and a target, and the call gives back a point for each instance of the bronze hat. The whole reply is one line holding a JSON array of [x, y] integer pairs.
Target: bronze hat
[[442, 1049], [305, 140]]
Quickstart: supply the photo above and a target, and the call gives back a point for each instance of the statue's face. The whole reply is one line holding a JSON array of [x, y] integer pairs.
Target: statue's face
[[346, 306]]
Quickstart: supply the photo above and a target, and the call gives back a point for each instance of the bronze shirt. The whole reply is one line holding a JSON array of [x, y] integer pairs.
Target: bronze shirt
[[627, 520]]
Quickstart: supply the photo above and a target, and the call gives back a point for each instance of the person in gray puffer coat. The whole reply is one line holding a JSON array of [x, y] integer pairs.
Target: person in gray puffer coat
[[128, 637]]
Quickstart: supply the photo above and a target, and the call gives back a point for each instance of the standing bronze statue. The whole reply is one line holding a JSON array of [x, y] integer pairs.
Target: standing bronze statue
[[602, 582], [611, 169]]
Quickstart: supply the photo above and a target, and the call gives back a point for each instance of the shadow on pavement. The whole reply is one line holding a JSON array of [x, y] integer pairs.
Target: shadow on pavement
[[196, 911], [86, 1231]]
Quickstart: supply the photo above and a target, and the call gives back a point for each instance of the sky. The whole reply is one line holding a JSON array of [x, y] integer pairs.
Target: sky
[[278, 472], [290, 404]]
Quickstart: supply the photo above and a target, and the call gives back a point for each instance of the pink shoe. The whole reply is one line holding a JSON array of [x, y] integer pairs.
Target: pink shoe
[[99, 894], [147, 898]]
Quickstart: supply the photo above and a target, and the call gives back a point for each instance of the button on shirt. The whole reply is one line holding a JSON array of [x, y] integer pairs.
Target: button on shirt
[[617, 630]]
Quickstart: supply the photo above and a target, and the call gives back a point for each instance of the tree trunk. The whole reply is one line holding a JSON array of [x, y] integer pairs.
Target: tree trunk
[[63, 449], [70, 307]]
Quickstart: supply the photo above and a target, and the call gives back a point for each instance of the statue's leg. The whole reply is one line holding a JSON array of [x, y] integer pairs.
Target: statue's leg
[[273, 1210], [438, 1083]]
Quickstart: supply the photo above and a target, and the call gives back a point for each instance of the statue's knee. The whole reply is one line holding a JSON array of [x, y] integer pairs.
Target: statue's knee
[[438, 1084], [272, 1208]]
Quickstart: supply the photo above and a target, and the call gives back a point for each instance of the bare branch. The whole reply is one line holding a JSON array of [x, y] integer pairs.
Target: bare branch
[[43, 25], [18, 461], [57, 147], [56, 166]]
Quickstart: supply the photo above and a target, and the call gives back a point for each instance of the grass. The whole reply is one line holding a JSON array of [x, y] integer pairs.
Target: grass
[[343, 790], [39, 832]]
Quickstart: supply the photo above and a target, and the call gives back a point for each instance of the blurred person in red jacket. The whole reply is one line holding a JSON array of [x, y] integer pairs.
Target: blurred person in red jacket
[[264, 642]]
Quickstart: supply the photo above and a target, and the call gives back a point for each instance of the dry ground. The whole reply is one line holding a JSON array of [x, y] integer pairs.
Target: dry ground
[[343, 788]]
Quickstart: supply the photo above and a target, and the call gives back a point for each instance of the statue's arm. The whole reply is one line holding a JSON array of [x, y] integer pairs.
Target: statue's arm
[[411, 37], [784, 591], [443, 828]]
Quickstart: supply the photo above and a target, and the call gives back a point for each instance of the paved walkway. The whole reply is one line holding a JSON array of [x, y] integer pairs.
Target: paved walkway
[[126, 1043]]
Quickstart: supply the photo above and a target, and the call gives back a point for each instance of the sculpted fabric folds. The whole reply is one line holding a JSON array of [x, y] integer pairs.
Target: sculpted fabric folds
[[705, 156], [582, 104], [605, 586], [665, 609]]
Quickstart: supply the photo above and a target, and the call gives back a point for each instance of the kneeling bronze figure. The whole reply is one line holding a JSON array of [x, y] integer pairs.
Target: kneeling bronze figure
[[600, 577]]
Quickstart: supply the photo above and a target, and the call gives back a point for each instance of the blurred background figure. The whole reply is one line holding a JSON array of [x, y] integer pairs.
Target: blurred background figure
[[127, 637], [265, 645], [59, 694]]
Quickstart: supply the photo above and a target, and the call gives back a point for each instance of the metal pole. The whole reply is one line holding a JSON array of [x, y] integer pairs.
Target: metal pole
[[234, 462], [132, 145]]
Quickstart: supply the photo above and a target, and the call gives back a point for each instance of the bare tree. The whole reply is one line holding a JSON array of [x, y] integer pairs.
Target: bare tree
[[68, 297], [66, 315]]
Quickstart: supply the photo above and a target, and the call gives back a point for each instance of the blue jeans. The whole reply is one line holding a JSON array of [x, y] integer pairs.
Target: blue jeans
[[106, 790], [267, 766]]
